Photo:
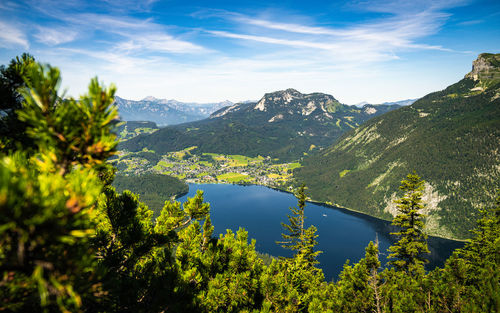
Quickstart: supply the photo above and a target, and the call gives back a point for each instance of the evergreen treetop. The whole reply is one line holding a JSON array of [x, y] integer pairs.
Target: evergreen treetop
[[409, 252]]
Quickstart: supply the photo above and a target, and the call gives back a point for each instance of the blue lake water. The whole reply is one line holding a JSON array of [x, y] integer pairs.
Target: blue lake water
[[342, 234]]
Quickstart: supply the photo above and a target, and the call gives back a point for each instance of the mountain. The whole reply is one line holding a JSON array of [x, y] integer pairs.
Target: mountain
[[399, 103], [165, 112], [450, 137], [283, 124]]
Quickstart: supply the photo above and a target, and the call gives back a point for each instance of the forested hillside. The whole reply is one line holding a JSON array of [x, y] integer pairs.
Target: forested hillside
[[153, 189], [284, 124], [126, 130], [451, 137]]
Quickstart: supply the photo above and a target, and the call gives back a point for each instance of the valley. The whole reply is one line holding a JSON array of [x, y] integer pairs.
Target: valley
[[208, 167], [348, 156]]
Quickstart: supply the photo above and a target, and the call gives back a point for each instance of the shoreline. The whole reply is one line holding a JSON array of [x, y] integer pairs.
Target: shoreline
[[327, 205]]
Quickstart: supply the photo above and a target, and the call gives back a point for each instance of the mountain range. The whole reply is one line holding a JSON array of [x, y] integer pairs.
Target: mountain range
[[451, 138], [400, 103], [165, 112], [284, 124]]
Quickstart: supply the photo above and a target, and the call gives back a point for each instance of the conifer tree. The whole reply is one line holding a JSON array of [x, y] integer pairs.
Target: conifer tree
[[48, 196], [208, 230], [298, 238], [470, 280], [409, 252], [12, 79], [297, 279], [358, 289]]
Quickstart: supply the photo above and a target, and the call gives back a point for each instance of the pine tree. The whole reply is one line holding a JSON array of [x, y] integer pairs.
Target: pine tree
[[208, 230], [298, 238], [358, 289], [298, 277], [12, 79], [48, 196], [409, 252], [470, 280]]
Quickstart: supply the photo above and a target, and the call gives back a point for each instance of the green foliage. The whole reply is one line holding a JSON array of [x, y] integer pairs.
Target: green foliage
[[129, 129], [411, 247], [48, 196], [358, 288], [298, 238], [470, 280], [153, 189], [234, 270], [70, 132], [12, 78], [295, 279]]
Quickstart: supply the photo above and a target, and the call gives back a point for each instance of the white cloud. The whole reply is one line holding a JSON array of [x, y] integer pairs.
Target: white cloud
[[12, 36], [134, 35], [158, 43], [278, 41], [144, 57], [55, 36], [378, 40], [405, 6]]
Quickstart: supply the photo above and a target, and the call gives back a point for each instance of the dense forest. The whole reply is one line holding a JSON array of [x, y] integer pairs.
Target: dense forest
[[153, 189], [451, 137], [69, 242]]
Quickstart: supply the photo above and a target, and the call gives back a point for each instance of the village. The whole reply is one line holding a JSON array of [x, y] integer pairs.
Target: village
[[209, 167]]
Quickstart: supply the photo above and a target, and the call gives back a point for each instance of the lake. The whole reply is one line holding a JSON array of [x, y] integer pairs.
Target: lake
[[342, 234]]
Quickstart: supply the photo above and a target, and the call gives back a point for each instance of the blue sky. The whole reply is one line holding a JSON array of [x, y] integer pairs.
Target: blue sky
[[207, 51]]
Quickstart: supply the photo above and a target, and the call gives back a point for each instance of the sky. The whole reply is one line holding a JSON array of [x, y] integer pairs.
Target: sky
[[208, 51]]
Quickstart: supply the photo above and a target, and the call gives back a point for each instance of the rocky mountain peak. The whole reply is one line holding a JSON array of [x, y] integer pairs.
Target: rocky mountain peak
[[293, 101], [485, 67], [149, 99]]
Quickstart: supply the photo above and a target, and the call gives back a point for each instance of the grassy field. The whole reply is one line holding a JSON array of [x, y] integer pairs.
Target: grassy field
[[234, 177]]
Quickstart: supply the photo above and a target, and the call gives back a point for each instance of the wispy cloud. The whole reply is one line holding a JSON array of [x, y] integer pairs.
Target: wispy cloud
[[402, 7], [277, 41], [11, 35], [471, 22], [134, 34], [159, 43], [55, 36], [376, 40], [212, 54], [130, 5], [9, 5]]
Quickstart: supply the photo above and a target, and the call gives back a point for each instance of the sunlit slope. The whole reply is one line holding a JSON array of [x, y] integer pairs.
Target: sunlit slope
[[451, 138], [283, 124]]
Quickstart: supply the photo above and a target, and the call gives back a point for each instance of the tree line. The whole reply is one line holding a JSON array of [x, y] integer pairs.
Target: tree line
[[70, 242]]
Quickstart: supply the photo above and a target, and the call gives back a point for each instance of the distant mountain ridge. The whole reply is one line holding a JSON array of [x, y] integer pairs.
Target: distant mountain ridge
[[165, 112], [284, 124], [450, 137], [399, 102]]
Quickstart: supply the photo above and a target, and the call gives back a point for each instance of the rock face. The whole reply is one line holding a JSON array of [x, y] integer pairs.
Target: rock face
[[292, 102], [485, 67], [296, 102], [451, 138], [282, 124]]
